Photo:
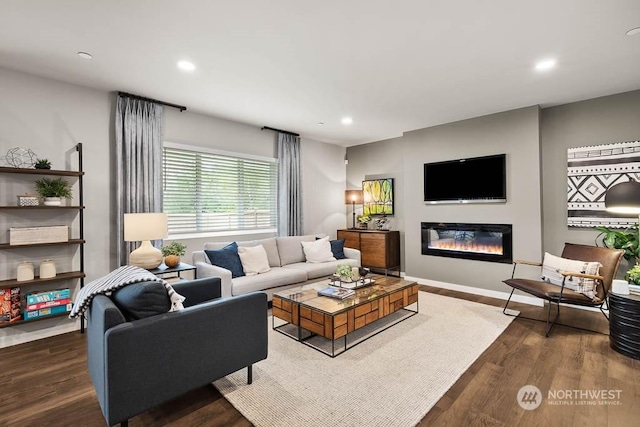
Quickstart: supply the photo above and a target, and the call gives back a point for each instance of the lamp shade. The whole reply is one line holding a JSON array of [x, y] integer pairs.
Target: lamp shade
[[144, 226], [353, 196], [623, 198]]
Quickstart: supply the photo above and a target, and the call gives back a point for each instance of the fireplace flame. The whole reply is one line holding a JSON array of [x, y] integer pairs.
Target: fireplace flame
[[461, 246]]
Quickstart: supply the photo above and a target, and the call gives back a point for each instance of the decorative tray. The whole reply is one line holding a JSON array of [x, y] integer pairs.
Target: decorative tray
[[352, 285]]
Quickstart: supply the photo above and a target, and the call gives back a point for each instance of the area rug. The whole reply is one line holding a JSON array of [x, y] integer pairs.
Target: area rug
[[392, 379]]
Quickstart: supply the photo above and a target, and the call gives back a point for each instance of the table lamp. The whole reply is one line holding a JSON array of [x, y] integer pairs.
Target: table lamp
[[352, 197], [145, 227]]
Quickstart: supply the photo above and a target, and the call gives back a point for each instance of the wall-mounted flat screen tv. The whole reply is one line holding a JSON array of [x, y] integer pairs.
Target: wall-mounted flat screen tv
[[472, 180]]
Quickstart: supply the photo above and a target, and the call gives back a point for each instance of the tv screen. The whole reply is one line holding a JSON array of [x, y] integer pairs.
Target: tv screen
[[473, 180]]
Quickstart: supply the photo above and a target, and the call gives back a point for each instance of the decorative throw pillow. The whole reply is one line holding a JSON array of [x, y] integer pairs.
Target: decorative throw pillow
[[318, 251], [142, 299], [553, 266], [254, 259], [228, 258], [337, 248]]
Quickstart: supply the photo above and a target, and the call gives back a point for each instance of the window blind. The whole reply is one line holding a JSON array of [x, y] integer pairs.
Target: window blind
[[209, 192]]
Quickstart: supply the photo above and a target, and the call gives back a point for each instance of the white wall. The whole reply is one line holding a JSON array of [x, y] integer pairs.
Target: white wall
[[50, 117]]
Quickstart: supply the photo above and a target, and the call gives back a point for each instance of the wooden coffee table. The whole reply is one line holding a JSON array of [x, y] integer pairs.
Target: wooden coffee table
[[334, 319]]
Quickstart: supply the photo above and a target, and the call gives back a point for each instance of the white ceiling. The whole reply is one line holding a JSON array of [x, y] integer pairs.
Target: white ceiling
[[394, 66]]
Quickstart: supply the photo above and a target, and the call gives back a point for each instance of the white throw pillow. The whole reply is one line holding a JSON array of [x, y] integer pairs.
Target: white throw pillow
[[318, 251], [552, 266], [254, 259]]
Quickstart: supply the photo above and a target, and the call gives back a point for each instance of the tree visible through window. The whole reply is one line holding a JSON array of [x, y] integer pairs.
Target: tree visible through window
[[206, 191]]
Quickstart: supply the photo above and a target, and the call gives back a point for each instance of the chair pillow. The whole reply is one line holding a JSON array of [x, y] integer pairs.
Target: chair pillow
[[228, 258], [254, 259], [553, 266], [142, 299], [337, 248], [318, 251]]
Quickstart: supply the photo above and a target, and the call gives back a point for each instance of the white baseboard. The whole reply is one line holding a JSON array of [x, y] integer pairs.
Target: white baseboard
[[479, 291], [493, 294]]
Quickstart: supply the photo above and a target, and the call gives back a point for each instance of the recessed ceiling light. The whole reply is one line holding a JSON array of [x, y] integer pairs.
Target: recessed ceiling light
[[545, 65], [633, 31], [347, 120], [85, 55], [186, 65]]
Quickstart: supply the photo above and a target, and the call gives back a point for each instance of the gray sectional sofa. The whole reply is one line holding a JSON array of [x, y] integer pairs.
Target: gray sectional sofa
[[286, 259]]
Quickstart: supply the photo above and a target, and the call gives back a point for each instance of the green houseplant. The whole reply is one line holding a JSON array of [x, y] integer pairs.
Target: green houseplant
[[633, 275], [345, 272], [622, 239], [53, 189], [172, 253]]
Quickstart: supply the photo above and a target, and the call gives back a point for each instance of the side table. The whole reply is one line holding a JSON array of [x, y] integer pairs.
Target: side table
[[162, 269], [624, 324]]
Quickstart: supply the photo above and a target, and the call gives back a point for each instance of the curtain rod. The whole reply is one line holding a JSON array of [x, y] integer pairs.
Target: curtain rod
[[129, 95], [280, 130]]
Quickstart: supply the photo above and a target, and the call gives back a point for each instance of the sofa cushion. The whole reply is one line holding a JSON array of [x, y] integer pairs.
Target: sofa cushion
[[337, 248], [142, 299], [318, 250], [227, 257], [315, 270], [278, 276], [269, 245], [254, 260], [290, 248]]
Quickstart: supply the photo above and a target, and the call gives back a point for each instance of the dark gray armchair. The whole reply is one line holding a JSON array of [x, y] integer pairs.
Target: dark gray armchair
[[136, 365]]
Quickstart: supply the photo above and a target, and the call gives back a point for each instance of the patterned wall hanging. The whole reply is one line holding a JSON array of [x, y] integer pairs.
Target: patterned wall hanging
[[590, 172], [378, 196]]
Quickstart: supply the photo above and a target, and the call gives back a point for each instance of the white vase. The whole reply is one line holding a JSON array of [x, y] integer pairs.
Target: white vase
[[52, 201], [47, 269], [25, 271]]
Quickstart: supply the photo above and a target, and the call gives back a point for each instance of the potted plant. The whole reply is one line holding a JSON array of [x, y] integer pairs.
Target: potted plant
[[633, 275], [172, 253], [42, 164], [53, 190], [622, 239], [344, 272], [363, 221]]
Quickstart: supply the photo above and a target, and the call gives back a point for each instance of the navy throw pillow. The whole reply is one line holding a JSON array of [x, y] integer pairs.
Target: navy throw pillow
[[228, 258], [337, 248], [142, 299]]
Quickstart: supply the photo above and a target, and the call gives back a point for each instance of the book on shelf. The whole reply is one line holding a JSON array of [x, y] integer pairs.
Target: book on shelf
[[44, 296], [54, 303], [45, 312], [334, 292]]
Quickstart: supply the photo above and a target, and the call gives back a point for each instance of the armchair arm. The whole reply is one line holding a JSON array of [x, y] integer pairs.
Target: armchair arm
[[535, 263], [152, 360], [199, 290], [353, 254], [205, 269], [584, 275]]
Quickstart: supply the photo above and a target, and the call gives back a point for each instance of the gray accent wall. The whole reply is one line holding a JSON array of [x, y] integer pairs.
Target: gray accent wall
[[604, 120]]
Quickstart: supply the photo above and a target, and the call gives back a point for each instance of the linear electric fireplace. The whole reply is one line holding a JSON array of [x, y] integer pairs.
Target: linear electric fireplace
[[482, 242]]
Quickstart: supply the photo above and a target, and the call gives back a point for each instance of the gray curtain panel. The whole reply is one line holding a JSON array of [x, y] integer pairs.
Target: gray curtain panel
[[139, 131], [289, 186]]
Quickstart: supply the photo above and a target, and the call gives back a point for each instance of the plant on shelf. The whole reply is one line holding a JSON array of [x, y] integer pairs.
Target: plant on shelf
[[53, 190], [42, 164], [172, 253]]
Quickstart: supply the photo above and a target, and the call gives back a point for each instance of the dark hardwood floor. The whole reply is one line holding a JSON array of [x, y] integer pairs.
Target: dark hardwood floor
[[45, 382]]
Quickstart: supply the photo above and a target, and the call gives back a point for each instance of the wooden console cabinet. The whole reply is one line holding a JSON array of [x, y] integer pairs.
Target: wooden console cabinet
[[379, 249]]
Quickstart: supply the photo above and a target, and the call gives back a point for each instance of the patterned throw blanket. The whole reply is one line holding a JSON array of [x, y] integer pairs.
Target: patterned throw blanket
[[117, 279]]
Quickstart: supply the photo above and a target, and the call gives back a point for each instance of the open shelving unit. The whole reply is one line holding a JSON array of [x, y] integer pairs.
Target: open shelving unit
[[79, 240]]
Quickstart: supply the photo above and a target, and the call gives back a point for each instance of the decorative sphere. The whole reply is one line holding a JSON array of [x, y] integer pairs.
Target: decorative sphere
[[21, 157]]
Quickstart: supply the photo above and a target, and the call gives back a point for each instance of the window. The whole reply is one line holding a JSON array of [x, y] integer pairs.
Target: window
[[208, 191]]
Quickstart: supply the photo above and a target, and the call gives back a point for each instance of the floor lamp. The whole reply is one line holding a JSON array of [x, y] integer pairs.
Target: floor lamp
[[351, 197]]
